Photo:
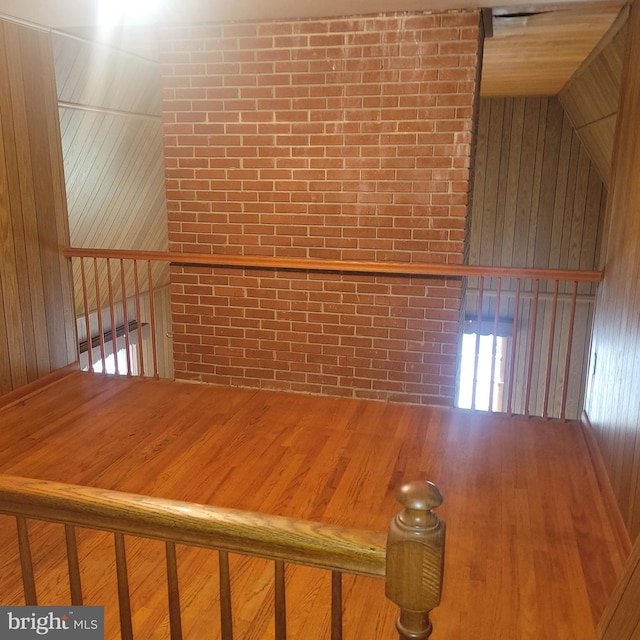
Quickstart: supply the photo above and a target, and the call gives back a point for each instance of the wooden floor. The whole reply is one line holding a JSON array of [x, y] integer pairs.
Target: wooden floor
[[530, 552]]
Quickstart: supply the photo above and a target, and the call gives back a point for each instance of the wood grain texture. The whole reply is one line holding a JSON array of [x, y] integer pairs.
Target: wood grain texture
[[526, 525], [352, 266], [537, 54], [614, 381], [38, 332], [112, 147], [538, 202], [621, 618], [591, 99], [272, 537]]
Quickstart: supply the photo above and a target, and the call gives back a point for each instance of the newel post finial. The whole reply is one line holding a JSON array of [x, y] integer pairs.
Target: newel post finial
[[415, 556]]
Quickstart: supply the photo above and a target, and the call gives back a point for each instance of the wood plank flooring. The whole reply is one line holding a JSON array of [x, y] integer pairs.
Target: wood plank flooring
[[530, 552]]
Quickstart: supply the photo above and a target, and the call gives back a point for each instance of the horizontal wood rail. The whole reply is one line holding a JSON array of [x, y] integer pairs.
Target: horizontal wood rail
[[350, 266], [266, 536], [540, 320], [410, 559]]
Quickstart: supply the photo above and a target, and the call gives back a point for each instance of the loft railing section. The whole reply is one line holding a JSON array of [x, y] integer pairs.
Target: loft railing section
[[524, 339], [410, 560], [525, 343]]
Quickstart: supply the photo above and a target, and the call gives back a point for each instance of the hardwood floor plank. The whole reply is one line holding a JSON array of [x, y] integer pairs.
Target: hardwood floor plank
[[530, 551]]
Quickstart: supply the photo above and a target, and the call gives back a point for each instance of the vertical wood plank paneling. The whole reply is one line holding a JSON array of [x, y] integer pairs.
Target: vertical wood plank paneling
[[56, 162], [537, 177], [5, 370], [39, 329], [26, 233], [528, 151], [612, 403], [621, 617], [490, 196], [548, 179], [561, 185], [16, 365], [541, 205], [513, 174], [504, 134], [40, 122]]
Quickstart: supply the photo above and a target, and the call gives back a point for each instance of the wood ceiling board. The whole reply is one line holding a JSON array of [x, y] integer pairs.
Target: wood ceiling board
[[591, 99], [594, 92], [598, 139], [538, 54], [94, 75]]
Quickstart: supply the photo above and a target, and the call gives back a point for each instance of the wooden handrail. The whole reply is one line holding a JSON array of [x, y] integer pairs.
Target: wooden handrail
[[273, 537], [350, 266]]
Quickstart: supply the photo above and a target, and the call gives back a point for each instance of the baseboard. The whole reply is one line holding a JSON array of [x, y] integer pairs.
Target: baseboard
[[610, 503]]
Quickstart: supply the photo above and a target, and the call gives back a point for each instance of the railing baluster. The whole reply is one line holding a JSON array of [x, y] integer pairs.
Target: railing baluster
[[152, 319], [99, 314], [226, 621], [336, 605], [494, 344], [125, 316], [75, 584], [477, 347], [567, 363], [87, 324], [26, 563], [532, 342], [280, 601], [514, 336], [124, 601], [138, 323], [175, 621], [552, 329], [114, 336]]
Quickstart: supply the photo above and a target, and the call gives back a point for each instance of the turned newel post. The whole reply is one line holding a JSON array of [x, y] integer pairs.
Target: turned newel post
[[415, 556]]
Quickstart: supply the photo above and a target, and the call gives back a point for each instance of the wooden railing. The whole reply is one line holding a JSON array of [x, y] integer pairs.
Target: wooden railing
[[539, 320], [410, 560]]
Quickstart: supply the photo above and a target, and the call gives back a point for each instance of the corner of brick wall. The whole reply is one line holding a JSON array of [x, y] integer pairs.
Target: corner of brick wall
[[342, 139]]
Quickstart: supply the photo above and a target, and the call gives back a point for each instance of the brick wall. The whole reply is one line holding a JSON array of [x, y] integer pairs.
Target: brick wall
[[337, 139]]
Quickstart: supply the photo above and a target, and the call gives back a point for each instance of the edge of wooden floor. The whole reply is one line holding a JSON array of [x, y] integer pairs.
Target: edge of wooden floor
[[21, 393], [606, 490]]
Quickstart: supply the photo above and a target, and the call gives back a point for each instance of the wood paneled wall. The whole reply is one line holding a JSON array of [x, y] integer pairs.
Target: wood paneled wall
[[36, 311], [613, 395], [538, 202], [621, 618], [113, 155], [592, 95]]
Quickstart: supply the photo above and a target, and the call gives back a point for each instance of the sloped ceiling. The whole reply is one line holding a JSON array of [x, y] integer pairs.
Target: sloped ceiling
[[112, 148], [535, 48], [535, 53], [591, 100], [112, 145]]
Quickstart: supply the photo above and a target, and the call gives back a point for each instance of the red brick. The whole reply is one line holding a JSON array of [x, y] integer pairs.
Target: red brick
[[321, 151]]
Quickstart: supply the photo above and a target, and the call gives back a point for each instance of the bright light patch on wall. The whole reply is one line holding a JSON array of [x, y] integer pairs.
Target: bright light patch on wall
[[112, 13]]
